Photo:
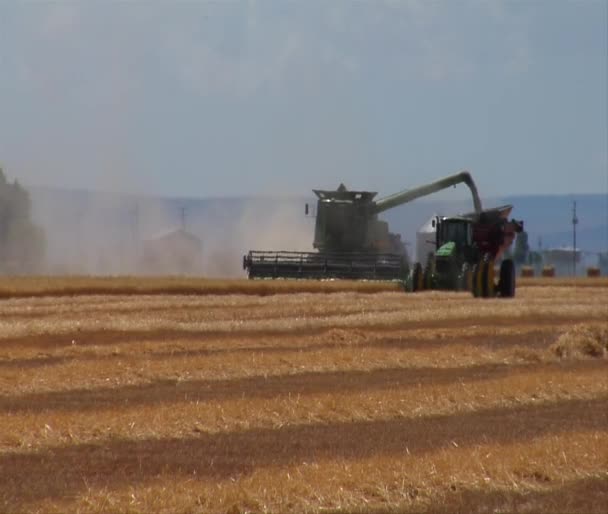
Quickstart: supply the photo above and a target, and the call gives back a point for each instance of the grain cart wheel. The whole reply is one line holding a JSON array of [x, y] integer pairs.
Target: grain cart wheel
[[506, 283], [487, 277]]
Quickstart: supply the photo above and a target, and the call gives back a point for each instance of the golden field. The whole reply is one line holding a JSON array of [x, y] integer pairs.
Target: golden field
[[31, 286], [183, 395]]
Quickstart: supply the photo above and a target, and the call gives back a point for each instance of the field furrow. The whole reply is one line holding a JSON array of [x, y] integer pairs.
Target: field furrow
[[224, 455], [323, 396]]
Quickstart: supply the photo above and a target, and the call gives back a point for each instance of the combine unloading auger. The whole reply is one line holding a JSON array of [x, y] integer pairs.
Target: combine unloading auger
[[409, 195], [351, 242]]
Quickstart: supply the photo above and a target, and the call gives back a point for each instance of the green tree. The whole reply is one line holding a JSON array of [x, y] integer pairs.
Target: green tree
[[22, 243]]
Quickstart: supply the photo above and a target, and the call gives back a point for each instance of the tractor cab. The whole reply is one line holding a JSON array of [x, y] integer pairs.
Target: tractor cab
[[454, 240], [454, 248], [455, 230]]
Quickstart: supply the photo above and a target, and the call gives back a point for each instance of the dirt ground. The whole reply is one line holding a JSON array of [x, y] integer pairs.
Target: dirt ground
[[340, 400]]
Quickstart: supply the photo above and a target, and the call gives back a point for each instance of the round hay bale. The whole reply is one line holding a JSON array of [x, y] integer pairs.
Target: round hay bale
[[593, 271], [548, 271], [527, 271]]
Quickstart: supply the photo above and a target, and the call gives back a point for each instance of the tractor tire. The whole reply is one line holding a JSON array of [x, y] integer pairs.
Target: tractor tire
[[476, 276], [487, 278], [465, 279], [506, 283]]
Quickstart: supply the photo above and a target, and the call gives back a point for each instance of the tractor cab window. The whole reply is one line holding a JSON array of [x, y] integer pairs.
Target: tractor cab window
[[457, 231]]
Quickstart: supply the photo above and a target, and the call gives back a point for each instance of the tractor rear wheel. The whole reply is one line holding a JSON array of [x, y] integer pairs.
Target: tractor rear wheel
[[506, 283], [487, 277]]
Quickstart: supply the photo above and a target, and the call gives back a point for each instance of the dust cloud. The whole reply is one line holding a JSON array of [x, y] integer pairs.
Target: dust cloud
[[270, 224], [92, 233]]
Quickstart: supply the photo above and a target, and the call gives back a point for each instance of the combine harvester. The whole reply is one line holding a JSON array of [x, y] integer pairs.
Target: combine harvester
[[351, 242]]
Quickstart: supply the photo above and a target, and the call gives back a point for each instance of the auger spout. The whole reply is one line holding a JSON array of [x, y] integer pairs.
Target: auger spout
[[464, 177]]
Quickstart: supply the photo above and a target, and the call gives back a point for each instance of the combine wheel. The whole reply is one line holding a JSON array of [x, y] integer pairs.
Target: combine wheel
[[506, 283], [487, 278]]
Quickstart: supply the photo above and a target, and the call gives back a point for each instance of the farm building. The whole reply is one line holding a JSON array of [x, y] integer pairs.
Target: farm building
[[176, 252], [562, 260]]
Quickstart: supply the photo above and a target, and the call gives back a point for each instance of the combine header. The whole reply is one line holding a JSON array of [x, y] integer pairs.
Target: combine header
[[315, 265], [351, 242]]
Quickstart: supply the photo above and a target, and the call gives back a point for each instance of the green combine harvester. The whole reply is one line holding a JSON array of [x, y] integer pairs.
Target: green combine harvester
[[350, 241]]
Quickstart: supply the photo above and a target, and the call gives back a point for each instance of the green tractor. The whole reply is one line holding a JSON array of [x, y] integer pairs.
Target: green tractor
[[467, 248]]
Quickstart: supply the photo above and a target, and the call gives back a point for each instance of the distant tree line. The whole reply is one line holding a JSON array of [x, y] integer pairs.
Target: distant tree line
[[22, 242]]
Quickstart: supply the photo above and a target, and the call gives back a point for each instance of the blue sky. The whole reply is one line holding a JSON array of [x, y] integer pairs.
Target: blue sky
[[235, 98]]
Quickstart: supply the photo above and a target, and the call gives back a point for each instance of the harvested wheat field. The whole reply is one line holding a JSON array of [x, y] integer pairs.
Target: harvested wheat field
[[179, 397]]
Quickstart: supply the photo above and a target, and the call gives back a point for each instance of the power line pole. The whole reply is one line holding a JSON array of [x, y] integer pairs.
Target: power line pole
[[574, 223]]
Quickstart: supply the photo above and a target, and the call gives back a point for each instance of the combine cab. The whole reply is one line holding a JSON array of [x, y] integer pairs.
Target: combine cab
[[351, 242], [467, 249]]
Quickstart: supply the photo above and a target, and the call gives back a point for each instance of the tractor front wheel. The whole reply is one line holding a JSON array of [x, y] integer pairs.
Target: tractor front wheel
[[465, 279]]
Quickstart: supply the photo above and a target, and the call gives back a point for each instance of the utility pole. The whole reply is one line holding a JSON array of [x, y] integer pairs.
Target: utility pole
[[574, 223]]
